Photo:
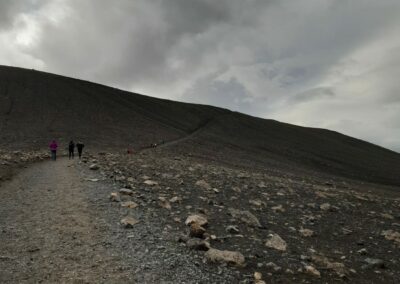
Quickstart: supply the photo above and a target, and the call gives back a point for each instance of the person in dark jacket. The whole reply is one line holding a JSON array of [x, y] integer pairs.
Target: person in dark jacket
[[80, 146], [71, 149]]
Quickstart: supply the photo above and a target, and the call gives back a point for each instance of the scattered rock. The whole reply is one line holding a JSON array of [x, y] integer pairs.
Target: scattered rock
[[311, 270], [278, 208], [245, 217], [196, 218], [150, 182], [203, 184], [258, 278], [306, 232], [324, 262], [94, 167], [198, 244], [232, 229], [362, 251], [164, 203], [129, 204], [276, 242], [175, 199], [387, 216], [230, 257], [196, 230], [115, 197], [129, 222], [256, 202], [273, 266], [325, 206], [373, 263], [392, 236], [125, 191]]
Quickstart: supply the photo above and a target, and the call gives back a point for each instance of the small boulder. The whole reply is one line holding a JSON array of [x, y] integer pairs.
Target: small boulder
[[325, 206], [196, 230], [311, 270], [125, 191], [245, 217], [114, 196], [232, 229], [94, 167], [196, 218], [225, 256], [150, 182], [276, 242], [198, 244], [306, 232], [203, 184], [129, 222], [129, 204], [373, 263]]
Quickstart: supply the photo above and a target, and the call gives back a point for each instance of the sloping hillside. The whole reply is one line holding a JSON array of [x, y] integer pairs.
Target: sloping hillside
[[36, 107]]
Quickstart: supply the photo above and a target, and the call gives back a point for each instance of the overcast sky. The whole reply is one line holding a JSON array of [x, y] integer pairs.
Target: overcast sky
[[323, 63]]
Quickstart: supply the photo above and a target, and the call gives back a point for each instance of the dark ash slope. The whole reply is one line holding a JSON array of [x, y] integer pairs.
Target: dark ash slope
[[37, 106]]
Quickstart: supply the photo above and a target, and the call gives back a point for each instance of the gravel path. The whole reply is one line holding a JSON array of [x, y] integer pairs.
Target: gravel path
[[58, 226]]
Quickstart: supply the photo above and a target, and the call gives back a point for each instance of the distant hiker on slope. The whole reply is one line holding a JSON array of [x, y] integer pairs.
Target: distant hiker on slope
[[53, 149], [80, 146], [71, 149]]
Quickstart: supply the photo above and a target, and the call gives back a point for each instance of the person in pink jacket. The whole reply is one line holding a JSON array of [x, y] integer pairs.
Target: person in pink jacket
[[53, 149]]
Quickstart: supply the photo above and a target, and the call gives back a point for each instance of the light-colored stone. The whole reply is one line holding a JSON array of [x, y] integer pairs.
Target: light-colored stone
[[306, 232], [311, 270], [196, 218], [276, 242], [150, 182], [324, 262], [114, 196], [203, 184], [258, 278], [230, 257], [164, 203], [278, 208], [232, 229], [256, 202], [94, 167], [125, 191], [245, 217], [392, 236], [196, 230], [198, 244], [325, 206], [175, 199], [129, 222], [129, 204]]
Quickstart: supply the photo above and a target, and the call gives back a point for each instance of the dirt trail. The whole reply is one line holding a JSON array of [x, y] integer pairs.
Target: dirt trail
[[48, 231]]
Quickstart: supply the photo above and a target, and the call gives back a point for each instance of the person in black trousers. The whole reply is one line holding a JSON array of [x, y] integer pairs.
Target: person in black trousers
[[80, 146], [71, 148]]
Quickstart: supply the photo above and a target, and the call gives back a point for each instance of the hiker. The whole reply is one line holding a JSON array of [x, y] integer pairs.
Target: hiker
[[53, 149], [80, 146], [71, 149]]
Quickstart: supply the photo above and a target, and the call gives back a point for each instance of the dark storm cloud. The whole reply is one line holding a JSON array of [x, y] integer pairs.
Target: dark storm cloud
[[289, 60]]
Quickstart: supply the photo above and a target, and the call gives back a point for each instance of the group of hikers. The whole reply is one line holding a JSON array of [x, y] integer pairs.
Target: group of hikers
[[71, 149]]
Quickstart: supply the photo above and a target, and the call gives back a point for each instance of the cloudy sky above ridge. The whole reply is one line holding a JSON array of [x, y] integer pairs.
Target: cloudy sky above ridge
[[321, 63]]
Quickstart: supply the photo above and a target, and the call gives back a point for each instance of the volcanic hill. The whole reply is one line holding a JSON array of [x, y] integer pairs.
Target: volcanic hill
[[37, 106]]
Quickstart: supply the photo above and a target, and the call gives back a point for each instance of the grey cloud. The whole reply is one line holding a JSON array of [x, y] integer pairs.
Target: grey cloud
[[312, 94], [10, 9], [256, 56]]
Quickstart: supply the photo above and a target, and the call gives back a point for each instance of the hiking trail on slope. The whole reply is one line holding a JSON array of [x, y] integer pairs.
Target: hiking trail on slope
[[58, 226]]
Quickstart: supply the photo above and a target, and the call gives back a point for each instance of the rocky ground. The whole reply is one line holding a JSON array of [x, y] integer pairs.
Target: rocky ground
[[288, 228], [155, 218], [12, 161]]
